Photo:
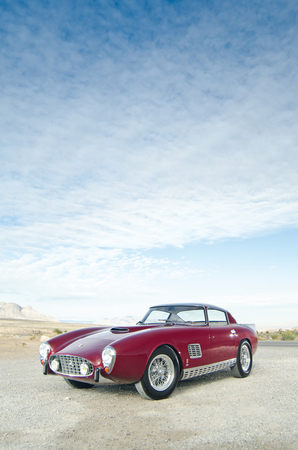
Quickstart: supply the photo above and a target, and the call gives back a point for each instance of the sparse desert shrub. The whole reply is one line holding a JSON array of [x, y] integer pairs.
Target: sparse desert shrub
[[280, 335], [262, 336], [287, 336], [57, 331]]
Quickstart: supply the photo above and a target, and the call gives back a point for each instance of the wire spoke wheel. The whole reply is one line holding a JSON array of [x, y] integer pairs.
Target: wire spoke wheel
[[245, 358], [161, 372], [243, 364]]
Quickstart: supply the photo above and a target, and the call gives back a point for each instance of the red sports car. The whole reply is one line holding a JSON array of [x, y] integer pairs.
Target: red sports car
[[172, 342]]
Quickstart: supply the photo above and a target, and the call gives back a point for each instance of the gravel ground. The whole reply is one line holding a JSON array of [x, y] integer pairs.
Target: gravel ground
[[215, 411]]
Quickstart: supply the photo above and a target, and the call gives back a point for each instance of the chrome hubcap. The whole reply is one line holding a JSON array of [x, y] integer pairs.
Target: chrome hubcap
[[161, 372], [245, 358]]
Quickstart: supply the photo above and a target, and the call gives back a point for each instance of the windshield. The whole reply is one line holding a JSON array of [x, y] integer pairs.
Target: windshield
[[171, 314]]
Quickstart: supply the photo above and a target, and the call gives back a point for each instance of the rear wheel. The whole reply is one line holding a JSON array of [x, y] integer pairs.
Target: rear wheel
[[243, 365], [78, 384], [161, 375]]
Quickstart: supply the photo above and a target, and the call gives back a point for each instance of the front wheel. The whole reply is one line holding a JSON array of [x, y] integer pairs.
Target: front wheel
[[78, 384], [161, 375], [243, 365]]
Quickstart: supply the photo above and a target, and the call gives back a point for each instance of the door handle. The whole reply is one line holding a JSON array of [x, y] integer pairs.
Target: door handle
[[233, 331]]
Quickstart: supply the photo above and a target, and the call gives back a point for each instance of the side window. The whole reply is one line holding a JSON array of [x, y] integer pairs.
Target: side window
[[193, 315], [217, 317]]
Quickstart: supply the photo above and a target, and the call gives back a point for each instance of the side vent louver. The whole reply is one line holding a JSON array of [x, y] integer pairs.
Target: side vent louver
[[194, 351]]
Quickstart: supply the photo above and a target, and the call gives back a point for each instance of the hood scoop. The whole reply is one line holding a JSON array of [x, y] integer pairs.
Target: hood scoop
[[119, 330]]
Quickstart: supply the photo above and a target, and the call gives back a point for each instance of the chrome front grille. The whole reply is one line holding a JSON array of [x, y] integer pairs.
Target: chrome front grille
[[70, 365], [194, 351]]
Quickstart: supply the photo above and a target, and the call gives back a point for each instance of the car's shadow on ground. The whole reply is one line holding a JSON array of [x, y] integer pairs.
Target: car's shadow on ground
[[122, 389], [205, 379], [183, 386]]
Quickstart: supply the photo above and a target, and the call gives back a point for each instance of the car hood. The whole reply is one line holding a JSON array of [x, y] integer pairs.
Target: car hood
[[91, 346]]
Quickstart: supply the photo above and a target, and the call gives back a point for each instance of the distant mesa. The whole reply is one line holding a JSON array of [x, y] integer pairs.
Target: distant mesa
[[14, 311]]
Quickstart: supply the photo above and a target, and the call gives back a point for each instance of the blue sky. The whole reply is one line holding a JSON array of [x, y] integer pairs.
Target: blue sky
[[149, 154]]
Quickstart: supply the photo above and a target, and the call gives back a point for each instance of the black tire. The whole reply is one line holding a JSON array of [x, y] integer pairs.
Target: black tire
[[78, 384], [161, 375], [243, 365]]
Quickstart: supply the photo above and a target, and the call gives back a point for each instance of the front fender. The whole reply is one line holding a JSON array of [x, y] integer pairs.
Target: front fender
[[133, 352]]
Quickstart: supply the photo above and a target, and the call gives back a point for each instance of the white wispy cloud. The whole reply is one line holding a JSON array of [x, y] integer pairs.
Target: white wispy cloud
[[128, 129]]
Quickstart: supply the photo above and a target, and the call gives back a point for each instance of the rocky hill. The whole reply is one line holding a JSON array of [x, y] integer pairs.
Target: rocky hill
[[14, 311]]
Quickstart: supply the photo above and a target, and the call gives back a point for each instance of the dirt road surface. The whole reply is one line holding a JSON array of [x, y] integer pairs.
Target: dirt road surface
[[215, 411]]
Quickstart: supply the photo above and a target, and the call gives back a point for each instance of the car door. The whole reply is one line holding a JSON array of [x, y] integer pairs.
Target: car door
[[196, 338], [222, 336]]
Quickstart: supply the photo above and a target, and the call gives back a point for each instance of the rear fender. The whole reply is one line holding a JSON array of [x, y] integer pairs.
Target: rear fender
[[250, 336]]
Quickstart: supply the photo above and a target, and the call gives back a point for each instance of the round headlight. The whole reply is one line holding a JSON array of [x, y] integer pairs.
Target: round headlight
[[44, 350], [84, 369], [55, 365], [108, 358]]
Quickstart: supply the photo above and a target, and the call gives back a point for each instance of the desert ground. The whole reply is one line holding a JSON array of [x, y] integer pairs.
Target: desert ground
[[215, 411]]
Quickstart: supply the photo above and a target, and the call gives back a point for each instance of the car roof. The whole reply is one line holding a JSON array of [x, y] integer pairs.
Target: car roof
[[178, 305]]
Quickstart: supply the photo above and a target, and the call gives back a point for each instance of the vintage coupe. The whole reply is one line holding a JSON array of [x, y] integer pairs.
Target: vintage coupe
[[172, 342]]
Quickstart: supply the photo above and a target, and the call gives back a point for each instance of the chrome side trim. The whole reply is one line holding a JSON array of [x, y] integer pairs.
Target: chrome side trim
[[202, 370]]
